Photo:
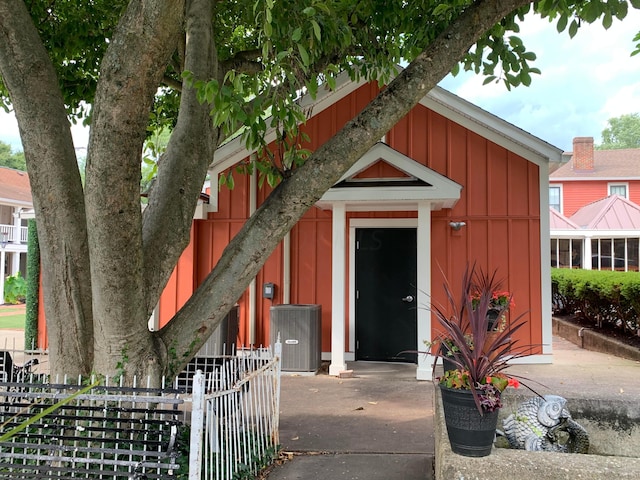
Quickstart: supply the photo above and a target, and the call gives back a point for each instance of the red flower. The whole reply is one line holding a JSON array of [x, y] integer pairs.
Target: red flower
[[513, 382]]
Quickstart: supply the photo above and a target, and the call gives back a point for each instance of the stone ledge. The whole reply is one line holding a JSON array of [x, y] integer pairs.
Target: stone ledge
[[590, 339], [506, 464]]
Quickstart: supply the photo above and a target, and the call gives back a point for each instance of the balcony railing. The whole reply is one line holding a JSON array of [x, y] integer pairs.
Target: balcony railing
[[13, 234]]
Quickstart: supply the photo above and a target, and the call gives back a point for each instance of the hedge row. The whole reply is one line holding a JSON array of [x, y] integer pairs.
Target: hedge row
[[601, 297]]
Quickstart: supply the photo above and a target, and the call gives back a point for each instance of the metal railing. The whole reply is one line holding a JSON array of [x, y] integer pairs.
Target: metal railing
[[108, 432], [234, 420], [13, 234], [235, 416]]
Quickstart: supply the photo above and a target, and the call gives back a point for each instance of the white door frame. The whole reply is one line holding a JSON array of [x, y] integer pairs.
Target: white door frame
[[422, 224]]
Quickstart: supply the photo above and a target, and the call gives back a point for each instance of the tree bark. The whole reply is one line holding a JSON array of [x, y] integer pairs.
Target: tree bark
[[56, 188], [245, 255], [131, 71], [104, 264], [188, 155]]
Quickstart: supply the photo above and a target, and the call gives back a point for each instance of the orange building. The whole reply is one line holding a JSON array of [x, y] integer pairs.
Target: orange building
[[449, 185], [595, 214]]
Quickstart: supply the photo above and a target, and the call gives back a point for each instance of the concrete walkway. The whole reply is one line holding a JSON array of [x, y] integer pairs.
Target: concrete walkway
[[379, 424], [374, 426]]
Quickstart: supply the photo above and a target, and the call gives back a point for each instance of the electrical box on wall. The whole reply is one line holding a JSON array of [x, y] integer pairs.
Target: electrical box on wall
[[268, 290]]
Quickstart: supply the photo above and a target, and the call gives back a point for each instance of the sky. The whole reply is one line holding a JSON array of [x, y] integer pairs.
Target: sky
[[584, 82]]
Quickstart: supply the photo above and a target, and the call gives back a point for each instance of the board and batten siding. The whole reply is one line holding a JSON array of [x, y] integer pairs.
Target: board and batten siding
[[499, 204]]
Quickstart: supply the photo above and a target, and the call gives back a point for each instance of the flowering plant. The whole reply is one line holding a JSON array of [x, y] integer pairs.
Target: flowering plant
[[500, 300], [478, 364], [489, 387]]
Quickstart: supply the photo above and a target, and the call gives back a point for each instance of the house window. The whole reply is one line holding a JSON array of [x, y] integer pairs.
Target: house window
[[566, 252], [554, 198], [620, 254], [619, 189]]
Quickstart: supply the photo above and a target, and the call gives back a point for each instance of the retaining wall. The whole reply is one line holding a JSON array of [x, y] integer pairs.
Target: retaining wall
[[614, 431]]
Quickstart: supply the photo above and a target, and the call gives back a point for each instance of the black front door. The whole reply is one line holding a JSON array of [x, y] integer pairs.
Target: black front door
[[386, 315]]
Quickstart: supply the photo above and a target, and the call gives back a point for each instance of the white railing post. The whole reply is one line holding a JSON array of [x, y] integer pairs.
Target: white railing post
[[197, 422], [275, 414]]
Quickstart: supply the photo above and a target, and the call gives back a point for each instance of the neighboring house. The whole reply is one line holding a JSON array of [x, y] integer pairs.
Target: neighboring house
[[449, 185], [603, 235], [591, 175], [15, 202], [595, 217]]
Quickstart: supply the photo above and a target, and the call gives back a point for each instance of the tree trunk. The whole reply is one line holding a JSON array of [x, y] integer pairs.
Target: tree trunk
[[243, 258], [104, 269], [56, 189], [131, 71]]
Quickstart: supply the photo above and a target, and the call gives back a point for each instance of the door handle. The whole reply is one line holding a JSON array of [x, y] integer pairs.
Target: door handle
[[408, 299]]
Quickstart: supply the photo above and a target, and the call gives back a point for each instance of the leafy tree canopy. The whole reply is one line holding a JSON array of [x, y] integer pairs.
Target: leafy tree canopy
[[10, 159], [128, 67], [622, 132]]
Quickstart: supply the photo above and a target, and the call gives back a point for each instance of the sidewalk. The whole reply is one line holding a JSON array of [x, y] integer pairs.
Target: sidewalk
[[379, 426], [374, 426]]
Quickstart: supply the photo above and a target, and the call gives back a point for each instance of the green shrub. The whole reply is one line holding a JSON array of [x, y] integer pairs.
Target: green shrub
[[15, 289], [601, 297], [33, 286]]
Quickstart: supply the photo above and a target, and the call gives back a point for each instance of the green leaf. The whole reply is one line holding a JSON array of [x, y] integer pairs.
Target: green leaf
[[562, 23], [573, 28], [316, 29], [296, 35], [304, 55], [309, 11], [489, 79]]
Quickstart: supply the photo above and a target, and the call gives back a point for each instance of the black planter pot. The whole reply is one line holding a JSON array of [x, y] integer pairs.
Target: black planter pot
[[470, 434]]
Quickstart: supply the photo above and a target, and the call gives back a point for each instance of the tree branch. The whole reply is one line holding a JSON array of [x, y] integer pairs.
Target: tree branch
[[249, 249], [181, 173]]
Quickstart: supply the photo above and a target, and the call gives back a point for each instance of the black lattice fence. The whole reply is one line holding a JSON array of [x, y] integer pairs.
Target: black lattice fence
[[110, 432]]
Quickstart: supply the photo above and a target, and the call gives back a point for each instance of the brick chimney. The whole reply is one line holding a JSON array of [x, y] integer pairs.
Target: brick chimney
[[583, 153]]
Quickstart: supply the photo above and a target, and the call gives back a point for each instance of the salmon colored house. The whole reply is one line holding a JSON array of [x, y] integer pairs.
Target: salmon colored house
[[589, 175], [448, 185], [595, 208]]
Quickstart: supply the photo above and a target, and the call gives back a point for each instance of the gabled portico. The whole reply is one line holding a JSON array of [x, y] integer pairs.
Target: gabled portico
[[412, 187]]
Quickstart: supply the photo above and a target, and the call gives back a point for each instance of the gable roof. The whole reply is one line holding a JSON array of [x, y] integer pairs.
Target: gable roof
[[439, 100], [610, 213], [557, 221], [607, 165], [15, 188], [419, 183]]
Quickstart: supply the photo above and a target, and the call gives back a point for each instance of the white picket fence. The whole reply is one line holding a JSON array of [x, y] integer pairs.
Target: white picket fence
[[235, 416]]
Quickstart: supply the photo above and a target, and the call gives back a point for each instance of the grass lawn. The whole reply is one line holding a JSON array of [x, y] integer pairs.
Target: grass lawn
[[12, 321]]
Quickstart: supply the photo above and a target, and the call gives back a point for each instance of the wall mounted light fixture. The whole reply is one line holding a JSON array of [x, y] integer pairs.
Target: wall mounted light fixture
[[456, 225]]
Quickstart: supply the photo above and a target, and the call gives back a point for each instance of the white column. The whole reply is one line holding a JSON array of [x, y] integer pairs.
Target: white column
[[545, 261], [253, 289], [587, 254], [17, 223], [338, 268], [423, 297], [15, 263]]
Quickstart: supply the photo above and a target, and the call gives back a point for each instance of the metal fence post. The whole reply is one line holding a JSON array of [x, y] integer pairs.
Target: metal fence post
[[197, 427]]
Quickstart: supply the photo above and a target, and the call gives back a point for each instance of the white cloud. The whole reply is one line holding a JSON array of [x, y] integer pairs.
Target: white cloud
[[584, 82]]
